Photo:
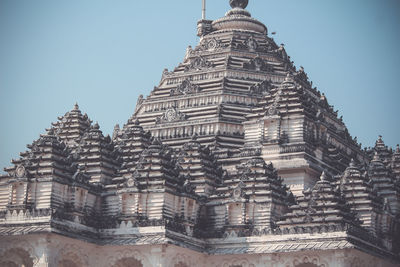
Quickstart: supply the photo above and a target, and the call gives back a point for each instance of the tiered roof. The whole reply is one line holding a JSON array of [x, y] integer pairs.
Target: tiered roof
[[131, 141], [357, 190], [255, 186], [97, 155], [199, 167], [71, 127], [384, 182], [322, 208], [157, 170], [396, 163], [47, 157]]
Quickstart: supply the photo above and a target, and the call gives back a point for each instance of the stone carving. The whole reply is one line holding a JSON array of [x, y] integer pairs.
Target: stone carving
[[185, 88], [210, 45], [243, 262], [237, 193], [261, 88], [20, 171], [311, 260], [213, 44], [257, 64], [200, 63], [273, 108], [252, 44], [171, 115]]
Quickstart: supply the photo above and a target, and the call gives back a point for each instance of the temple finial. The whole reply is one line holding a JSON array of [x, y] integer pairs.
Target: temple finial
[[239, 3], [203, 10], [76, 106]]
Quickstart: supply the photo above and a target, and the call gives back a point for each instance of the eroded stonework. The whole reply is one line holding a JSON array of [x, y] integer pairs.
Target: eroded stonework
[[233, 160]]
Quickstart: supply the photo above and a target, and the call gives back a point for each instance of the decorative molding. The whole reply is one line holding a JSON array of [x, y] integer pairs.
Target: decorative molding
[[198, 63], [236, 262], [257, 64], [306, 259], [185, 88], [171, 115]]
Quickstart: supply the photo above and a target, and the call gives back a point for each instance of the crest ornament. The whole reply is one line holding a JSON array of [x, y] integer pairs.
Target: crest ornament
[[130, 182], [20, 171], [185, 88], [237, 193], [171, 115], [257, 64], [212, 44], [200, 63]]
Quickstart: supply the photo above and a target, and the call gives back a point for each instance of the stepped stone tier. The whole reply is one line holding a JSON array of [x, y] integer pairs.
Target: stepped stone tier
[[233, 160]]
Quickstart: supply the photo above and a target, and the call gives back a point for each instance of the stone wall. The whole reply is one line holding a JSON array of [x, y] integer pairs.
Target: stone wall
[[53, 250]]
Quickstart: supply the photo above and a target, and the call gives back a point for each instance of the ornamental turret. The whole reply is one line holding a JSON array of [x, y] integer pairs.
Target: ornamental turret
[[71, 127], [321, 208], [363, 200], [97, 156], [200, 167]]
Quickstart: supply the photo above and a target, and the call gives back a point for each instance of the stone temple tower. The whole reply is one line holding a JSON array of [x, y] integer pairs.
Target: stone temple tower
[[233, 160]]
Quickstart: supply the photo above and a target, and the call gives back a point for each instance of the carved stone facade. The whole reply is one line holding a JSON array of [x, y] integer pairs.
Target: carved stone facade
[[233, 160]]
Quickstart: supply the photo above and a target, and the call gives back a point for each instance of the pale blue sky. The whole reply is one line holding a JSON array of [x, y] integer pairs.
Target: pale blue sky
[[103, 54]]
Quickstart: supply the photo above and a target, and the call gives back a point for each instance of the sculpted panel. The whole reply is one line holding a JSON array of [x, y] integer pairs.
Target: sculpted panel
[[236, 262], [306, 261]]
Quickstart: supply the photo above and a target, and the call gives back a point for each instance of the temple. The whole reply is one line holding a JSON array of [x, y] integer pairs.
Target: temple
[[233, 160]]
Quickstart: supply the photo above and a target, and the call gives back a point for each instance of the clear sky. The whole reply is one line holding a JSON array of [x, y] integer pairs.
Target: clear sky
[[103, 54]]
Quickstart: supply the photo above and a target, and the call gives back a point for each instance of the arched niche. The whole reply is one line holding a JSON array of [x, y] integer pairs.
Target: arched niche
[[128, 262], [181, 264], [16, 257]]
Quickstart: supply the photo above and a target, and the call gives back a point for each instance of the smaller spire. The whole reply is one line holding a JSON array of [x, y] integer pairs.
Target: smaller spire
[[398, 149], [323, 177], [76, 106], [116, 131], [379, 143], [50, 131], [96, 126], [376, 157], [352, 163]]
